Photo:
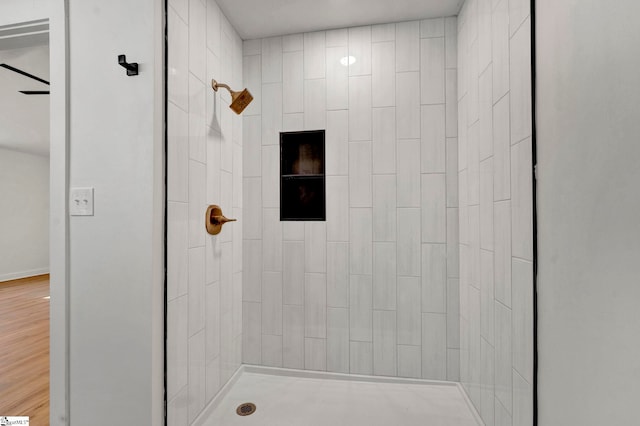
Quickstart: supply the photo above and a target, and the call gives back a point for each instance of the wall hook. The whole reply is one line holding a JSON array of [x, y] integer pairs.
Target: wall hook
[[132, 68], [214, 219]]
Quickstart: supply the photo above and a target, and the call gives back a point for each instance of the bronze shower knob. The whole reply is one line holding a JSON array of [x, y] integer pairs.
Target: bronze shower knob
[[214, 219]]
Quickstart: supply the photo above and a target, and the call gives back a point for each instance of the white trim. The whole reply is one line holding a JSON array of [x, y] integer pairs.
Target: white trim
[[58, 215], [205, 414], [158, 390], [308, 374], [28, 27], [24, 274], [37, 27]]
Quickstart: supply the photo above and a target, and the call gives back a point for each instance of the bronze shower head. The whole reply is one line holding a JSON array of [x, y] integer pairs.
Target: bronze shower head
[[239, 100]]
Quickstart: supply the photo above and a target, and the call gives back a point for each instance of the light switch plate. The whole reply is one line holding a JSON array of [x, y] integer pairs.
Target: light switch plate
[[81, 202]]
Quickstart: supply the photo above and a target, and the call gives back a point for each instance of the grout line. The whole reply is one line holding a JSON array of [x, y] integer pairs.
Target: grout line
[[511, 35], [512, 144], [500, 302], [520, 258], [178, 15], [500, 99]]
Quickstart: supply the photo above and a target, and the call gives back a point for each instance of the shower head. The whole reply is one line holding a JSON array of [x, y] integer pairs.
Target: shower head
[[239, 100]]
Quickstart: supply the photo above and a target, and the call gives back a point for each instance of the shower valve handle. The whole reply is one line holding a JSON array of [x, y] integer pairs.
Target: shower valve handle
[[214, 219]]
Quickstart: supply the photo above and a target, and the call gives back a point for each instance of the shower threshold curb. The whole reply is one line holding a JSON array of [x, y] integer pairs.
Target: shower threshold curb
[[309, 374]]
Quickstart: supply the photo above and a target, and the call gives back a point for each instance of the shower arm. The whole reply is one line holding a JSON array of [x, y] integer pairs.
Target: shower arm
[[215, 86], [239, 100]]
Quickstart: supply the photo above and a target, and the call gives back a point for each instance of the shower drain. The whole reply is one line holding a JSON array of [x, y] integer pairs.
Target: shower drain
[[246, 409]]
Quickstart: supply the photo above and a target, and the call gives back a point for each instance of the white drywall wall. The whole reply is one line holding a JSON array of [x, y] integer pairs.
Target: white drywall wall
[[588, 96], [24, 216], [116, 331]]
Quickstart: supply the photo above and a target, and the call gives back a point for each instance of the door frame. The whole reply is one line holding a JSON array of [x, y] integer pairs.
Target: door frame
[[54, 12], [59, 218]]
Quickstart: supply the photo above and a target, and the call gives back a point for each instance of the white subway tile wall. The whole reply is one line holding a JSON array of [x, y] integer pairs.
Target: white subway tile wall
[[205, 166], [495, 202], [374, 289]]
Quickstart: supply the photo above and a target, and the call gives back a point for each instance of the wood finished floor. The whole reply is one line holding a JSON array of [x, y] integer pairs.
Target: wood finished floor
[[24, 349]]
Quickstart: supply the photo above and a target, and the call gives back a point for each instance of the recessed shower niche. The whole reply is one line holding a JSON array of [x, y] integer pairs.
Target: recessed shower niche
[[302, 176]]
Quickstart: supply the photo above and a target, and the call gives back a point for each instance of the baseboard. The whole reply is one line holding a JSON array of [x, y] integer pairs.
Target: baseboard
[[310, 374], [472, 407], [24, 274], [207, 412]]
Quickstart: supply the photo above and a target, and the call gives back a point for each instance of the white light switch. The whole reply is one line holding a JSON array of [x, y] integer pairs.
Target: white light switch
[[81, 202]]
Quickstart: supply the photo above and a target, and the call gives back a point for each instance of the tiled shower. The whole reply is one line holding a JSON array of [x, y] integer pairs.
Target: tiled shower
[[423, 267], [204, 166], [496, 209]]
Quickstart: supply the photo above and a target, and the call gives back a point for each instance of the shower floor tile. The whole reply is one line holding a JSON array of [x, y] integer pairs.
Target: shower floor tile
[[301, 401]]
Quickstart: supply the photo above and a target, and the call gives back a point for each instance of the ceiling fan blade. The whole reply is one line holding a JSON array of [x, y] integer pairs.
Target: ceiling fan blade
[[26, 74], [34, 92]]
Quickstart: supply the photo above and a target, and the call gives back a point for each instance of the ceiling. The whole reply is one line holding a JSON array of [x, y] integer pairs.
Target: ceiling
[[24, 120], [265, 18]]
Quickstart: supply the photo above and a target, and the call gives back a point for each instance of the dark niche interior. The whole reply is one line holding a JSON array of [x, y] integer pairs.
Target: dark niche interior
[[302, 176]]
